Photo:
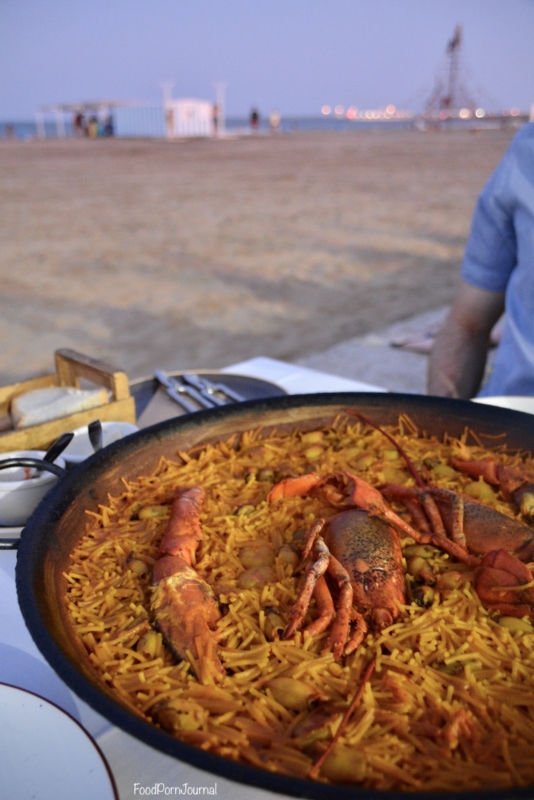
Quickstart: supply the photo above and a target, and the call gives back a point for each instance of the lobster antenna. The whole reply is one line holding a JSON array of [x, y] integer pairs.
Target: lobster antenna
[[409, 463], [314, 771]]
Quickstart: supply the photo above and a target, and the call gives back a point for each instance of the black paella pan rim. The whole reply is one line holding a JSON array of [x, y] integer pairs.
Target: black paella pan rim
[[57, 524]]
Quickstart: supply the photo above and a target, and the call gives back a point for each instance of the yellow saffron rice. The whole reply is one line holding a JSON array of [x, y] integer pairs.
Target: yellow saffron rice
[[450, 705]]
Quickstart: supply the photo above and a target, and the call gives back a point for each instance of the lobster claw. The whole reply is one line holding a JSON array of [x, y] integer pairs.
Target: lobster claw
[[505, 584], [513, 481], [295, 487]]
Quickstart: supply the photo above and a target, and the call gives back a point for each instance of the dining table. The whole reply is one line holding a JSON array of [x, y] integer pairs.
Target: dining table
[[135, 768]]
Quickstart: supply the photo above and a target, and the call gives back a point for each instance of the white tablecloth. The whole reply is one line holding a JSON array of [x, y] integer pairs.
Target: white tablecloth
[[298, 380], [135, 765]]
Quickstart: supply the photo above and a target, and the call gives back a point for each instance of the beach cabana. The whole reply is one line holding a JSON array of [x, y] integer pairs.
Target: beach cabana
[[186, 118]]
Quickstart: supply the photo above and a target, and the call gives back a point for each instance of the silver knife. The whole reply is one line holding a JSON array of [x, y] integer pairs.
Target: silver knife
[[180, 393], [210, 388]]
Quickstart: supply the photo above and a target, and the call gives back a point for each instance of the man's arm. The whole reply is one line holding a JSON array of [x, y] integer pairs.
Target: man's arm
[[458, 358]]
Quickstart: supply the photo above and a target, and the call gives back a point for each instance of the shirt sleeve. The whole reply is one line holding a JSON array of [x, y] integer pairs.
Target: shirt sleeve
[[491, 253]]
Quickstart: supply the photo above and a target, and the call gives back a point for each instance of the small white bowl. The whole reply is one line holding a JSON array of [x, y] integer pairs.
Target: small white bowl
[[20, 495], [81, 448]]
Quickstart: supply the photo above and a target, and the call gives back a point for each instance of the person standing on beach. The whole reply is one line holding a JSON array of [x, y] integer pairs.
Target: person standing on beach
[[254, 119], [497, 275], [215, 119], [274, 121], [92, 128], [78, 124]]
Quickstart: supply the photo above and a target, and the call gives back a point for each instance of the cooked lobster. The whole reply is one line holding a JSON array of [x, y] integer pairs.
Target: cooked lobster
[[360, 550], [184, 606]]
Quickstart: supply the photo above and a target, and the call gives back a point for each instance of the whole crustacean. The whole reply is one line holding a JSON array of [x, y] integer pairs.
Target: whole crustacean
[[363, 556], [360, 550], [501, 579], [184, 606]]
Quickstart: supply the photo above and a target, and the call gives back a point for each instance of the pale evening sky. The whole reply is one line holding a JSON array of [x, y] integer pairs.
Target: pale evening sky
[[293, 55]]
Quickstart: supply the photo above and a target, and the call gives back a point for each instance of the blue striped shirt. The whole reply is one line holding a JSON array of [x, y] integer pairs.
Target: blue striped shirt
[[499, 257]]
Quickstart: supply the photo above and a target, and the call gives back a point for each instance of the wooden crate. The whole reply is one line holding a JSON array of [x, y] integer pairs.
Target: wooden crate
[[70, 368]]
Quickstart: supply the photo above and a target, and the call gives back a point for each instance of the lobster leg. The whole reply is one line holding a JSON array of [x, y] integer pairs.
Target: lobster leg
[[314, 572], [411, 498], [340, 629], [417, 514], [457, 515], [325, 607], [367, 497], [433, 514], [315, 584], [358, 633]]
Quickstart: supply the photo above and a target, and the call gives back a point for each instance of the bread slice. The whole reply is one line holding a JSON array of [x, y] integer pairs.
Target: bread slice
[[44, 405]]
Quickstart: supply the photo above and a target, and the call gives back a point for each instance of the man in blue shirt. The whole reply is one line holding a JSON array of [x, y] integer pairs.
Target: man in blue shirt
[[497, 275]]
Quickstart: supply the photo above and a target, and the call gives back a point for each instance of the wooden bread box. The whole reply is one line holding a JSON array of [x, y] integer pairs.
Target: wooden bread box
[[70, 368]]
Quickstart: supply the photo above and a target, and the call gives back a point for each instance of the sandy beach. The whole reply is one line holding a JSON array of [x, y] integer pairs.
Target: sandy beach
[[195, 254]]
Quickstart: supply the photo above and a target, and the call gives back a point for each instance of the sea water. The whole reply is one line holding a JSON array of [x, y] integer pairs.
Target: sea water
[[27, 130]]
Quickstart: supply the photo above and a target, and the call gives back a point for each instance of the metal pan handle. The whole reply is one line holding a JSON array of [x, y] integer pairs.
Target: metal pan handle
[[38, 463]]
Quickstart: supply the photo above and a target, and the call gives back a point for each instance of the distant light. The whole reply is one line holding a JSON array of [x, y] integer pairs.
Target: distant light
[[376, 114], [339, 110], [515, 112], [368, 115], [326, 110], [464, 113], [443, 114], [352, 112], [480, 113], [390, 109]]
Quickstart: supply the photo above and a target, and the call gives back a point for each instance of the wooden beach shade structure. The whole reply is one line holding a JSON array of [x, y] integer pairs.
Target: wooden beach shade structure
[[58, 111], [172, 119], [187, 118]]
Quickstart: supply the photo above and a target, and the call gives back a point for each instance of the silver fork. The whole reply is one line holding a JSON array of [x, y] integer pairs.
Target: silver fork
[[209, 390], [181, 393]]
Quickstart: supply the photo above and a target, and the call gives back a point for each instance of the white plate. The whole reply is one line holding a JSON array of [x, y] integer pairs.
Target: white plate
[[47, 755], [525, 404]]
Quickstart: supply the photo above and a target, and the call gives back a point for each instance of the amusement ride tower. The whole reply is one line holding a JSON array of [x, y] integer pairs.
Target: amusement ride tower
[[450, 94]]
